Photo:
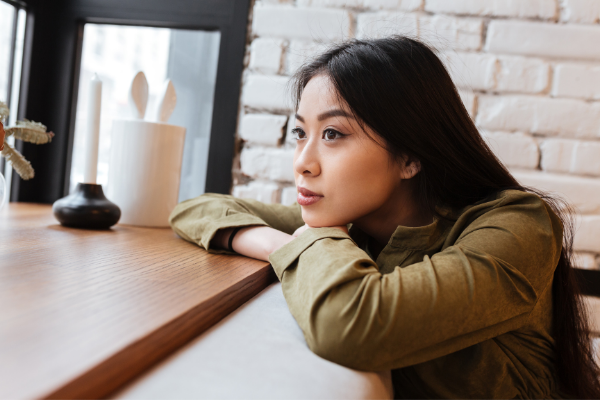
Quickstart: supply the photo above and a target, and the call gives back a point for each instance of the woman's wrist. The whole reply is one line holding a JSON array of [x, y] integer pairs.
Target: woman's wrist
[[252, 241]]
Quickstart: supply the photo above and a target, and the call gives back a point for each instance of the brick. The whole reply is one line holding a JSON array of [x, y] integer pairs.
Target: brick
[[586, 160], [330, 3], [267, 192], [442, 32], [592, 305], [266, 92], [301, 23], [495, 8], [468, 99], [564, 117], [581, 11], [513, 149], [519, 74], [300, 52], [587, 234], [262, 128], [290, 142], [289, 195], [576, 80], [265, 55], [471, 70], [557, 155], [584, 260], [481, 71], [581, 192], [573, 156], [596, 349], [266, 163], [542, 39], [383, 23], [404, 5]]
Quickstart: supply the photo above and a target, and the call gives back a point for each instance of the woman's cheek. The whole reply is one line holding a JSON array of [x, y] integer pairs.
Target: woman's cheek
[[326, 214]]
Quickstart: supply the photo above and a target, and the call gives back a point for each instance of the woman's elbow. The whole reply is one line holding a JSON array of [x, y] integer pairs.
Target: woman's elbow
[[333, 343]]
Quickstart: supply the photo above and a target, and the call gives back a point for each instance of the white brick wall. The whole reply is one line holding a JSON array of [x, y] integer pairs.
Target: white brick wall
[[543, 39], [265, 55], [262, 128], [588, 234], [267, 192], [514, 149], [574, 156], [487, 72], [266, 92], [444, 32], [498, 8], [300, 23], [528, 72], [577, 80], [272, 164], [583, 11], [385, 23], [543, 115]]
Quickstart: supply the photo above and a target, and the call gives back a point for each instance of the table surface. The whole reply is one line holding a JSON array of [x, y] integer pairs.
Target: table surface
[[83, 312]]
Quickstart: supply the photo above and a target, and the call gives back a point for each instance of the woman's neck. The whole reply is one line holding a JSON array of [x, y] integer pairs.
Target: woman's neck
[[401, 209]]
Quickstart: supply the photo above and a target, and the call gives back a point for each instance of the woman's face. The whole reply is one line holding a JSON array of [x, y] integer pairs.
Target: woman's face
[[351, 175]]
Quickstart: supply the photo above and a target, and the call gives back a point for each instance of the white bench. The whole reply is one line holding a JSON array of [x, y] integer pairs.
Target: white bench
[[257, 352]]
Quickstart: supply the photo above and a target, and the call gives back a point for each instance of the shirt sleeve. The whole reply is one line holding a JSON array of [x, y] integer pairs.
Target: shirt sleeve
[[483, 285], [197, 220]]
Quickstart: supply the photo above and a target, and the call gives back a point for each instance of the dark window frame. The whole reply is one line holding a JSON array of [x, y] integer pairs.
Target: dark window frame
[[19, 5], [50, 79]]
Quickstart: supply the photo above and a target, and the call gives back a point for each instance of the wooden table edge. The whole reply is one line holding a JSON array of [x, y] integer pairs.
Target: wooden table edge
[[106, 379]]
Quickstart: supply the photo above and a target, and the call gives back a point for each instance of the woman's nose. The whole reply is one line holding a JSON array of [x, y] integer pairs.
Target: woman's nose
[[306, 161]]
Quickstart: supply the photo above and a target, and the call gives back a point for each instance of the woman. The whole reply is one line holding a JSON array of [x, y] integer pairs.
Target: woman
[[452, 274]]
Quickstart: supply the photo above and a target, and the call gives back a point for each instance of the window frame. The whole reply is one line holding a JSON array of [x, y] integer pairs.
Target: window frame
[[50, 79], [18, 5]]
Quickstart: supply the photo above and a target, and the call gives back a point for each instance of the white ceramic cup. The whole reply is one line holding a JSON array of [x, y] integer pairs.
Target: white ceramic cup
[[144, 171]]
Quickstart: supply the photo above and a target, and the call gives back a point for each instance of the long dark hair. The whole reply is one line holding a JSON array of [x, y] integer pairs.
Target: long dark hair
[[400, 88]]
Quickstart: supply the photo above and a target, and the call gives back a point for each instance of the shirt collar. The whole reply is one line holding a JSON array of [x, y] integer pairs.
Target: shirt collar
[[409, 238]]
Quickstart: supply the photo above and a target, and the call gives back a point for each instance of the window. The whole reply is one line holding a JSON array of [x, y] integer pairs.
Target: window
[[12, 31], [54, 63], [116, 53]]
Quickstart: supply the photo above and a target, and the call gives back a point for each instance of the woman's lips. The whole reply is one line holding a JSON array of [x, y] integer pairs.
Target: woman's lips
[[306, 197]]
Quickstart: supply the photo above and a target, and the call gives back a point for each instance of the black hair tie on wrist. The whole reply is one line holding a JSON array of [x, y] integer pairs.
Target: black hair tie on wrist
[[236, 230]]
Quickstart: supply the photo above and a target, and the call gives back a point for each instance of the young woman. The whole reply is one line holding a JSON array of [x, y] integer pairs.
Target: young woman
[[452, 274]]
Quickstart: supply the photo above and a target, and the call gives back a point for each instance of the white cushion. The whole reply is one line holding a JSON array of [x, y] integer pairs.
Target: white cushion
[[257, 352]]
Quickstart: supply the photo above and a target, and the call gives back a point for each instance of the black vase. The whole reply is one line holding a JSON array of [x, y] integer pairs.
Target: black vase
[[86, 208]]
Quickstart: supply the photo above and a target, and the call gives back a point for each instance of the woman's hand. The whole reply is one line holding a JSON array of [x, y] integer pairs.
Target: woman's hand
[[253, 241]]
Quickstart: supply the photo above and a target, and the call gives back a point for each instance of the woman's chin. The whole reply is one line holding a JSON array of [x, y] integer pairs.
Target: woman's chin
[[319, 220]]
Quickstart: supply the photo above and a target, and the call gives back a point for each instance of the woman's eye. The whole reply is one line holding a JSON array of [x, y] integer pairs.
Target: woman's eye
[[298, 133], [330, 135]]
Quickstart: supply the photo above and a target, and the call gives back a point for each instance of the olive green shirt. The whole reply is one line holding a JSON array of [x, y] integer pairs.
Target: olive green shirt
[[455, 309]]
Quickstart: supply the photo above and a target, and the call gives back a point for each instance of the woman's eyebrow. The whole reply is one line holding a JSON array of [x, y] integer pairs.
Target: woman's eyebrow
[[328, 114], [334, 113]]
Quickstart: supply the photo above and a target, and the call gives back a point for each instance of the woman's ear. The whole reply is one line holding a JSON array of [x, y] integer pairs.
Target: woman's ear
[[410, 167]]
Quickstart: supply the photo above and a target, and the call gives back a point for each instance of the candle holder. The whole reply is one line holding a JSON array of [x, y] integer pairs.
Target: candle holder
[[86, 208]]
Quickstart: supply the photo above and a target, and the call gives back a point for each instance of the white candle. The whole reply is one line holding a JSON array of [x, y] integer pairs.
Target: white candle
[[93, 131]]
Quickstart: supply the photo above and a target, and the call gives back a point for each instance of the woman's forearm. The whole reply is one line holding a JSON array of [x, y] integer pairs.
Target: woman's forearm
[[253, 241]]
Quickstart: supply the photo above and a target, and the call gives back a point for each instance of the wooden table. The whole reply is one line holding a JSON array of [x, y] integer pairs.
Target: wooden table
[[84, 312]]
